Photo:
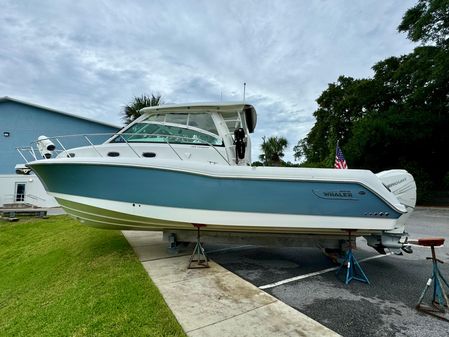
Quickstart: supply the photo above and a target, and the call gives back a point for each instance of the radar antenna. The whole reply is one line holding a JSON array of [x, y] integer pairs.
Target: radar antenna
[[244, 91]]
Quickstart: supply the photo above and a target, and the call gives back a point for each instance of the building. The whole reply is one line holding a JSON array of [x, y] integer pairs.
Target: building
[[21, 123]]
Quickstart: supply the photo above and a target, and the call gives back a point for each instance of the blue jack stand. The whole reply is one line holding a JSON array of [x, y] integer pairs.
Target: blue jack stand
[[440, 301], [353, 269]]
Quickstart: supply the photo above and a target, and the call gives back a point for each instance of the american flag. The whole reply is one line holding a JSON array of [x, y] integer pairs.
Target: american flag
[[340, 162]]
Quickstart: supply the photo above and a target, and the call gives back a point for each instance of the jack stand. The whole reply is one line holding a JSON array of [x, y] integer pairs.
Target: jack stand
[[352, 266], [440, 300], [198, 252]]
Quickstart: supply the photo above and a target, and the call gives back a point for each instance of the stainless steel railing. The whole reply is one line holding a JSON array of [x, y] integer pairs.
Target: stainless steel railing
[[32, 152]]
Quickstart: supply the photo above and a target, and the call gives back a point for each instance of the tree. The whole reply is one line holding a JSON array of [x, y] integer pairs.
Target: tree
[[411, 126], [131, 111], [400, 117], [339, 107], [273, 150], [428, 21], [300, 150]]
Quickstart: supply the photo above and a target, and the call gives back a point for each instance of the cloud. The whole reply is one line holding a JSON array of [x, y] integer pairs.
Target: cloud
[[92, 57]]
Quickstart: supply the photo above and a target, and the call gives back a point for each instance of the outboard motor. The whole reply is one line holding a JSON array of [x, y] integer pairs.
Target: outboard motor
[[403, 186], [45, 146], [240, 144]]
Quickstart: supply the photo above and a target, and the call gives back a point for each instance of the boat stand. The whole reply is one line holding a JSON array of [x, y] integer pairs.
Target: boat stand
[[198, 259], [353, 269], [439, 304]]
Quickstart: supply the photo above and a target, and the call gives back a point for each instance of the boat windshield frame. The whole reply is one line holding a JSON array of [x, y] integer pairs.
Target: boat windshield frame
[[118, 138]]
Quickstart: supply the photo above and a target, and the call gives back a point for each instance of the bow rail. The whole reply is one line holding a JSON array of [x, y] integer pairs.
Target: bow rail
[[34, 150]]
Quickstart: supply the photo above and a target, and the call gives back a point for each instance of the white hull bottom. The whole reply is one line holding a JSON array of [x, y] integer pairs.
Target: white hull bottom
[[109, 214]]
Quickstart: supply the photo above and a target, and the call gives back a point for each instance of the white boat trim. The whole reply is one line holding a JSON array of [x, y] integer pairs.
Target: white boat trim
[[224, 218]]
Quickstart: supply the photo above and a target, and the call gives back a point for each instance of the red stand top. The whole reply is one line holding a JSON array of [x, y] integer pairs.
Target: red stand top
[[431, 242], [199, 225]]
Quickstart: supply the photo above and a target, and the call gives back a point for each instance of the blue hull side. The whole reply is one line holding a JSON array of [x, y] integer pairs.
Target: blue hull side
[[152, 186]]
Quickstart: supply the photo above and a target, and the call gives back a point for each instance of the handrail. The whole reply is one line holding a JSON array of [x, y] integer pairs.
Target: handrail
[[35, 197], [129, 145], [192, 141], [66, 153], [20, 152], [93, 146], [171, 147]]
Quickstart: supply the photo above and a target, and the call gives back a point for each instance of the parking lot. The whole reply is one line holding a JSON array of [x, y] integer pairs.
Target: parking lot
[[386, 307]]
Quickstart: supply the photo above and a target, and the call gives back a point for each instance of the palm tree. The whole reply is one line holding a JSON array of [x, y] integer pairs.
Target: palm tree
[[131, 112], [273, 150]]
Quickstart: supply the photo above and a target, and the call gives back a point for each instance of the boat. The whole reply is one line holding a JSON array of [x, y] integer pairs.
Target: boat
[[180, 165]]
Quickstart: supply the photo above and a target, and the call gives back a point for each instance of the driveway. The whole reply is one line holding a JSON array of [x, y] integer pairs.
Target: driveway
[[386, 307]]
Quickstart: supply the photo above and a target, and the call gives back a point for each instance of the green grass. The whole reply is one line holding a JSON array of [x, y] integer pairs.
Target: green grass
[[60, 278]]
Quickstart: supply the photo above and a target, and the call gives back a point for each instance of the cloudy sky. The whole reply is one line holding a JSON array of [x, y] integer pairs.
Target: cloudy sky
[[92, 57]]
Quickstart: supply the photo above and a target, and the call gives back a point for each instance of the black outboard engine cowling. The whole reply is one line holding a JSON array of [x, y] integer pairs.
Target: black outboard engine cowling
[[240, 144]]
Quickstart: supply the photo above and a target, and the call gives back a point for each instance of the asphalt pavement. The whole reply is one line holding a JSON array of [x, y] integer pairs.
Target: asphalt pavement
[[385, 307]]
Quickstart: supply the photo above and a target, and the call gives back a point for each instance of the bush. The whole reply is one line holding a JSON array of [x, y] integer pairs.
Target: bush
[[446, 181]]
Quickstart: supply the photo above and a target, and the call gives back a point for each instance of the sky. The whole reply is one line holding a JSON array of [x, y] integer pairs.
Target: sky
[[90, 58]]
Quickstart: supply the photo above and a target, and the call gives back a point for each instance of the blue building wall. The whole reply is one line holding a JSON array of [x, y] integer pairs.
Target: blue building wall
[[25, 123]]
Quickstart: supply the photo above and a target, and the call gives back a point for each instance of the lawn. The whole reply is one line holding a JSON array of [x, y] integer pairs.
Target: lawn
[[60, 278]]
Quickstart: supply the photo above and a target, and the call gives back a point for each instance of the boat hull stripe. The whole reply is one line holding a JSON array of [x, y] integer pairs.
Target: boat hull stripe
[[177, 189]]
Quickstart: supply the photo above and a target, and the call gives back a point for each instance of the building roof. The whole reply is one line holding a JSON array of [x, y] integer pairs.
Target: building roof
[[10, 99]]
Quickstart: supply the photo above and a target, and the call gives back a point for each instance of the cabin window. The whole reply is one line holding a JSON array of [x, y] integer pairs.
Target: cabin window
[[161, 133], [177, 128], [203, 121], [156, 118], [233, 122], [176, 118]]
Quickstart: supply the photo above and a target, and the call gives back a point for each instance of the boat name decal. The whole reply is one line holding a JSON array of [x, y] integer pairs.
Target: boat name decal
[[345, 195]]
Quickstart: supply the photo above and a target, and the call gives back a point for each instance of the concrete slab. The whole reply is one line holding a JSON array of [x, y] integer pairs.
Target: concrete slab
[[163, 272], [153, 252], [142, 238], [149, 245], [215, 302], [207, 300], [272, 320]]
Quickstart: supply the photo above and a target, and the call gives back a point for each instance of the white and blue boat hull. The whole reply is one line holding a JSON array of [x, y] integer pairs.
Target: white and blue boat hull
[[140, 194]]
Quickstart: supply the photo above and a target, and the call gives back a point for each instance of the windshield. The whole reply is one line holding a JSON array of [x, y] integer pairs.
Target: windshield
[[175, 127]]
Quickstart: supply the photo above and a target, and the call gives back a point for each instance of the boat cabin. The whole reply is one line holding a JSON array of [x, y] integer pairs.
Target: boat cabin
[[217, 133]]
